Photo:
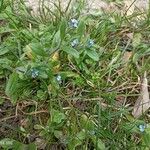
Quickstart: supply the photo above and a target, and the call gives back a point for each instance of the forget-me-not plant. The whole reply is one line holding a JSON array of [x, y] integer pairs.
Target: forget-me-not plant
[[90, 43], [142, 127], [34, 73], [59, 79], [73, 23], [75, 42]]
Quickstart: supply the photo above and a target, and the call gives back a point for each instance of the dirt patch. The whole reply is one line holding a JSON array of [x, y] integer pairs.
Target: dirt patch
[[91, 4]]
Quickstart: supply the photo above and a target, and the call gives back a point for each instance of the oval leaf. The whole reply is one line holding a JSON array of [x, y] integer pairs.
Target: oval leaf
[[38, 49], [81, 29], [63, 29], [71, 51], [6, 143], [11, 87], [56, 40], [93, 54]]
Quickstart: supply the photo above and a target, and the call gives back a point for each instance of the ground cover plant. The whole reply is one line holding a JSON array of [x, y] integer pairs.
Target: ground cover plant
[[72, 79]]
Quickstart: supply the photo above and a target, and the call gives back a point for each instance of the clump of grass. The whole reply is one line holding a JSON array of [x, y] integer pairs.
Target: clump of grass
[[70, 79]]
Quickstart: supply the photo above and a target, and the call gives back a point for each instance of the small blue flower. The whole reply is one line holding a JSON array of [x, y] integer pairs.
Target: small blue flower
[[74, 43], [59, 79], [90, 43], [73, 23], [142, 127], [34, 73]]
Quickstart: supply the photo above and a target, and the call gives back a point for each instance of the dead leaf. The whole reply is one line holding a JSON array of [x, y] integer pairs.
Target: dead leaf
[[126, 56], [40, 143], [143, 102], [130, 35], [25, 123]]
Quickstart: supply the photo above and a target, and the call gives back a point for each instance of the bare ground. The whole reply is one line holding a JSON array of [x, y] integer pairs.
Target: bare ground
[[94, 4]]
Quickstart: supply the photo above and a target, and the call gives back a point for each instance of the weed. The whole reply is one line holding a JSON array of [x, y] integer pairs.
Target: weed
[[71, 78]]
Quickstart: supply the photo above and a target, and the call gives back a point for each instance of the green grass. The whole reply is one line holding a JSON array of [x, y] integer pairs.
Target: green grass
[[71, 97]]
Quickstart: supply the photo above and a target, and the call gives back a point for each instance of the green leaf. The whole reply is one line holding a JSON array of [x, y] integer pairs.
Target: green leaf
[[146, 136], [11, 87], [81, 135], [71, 51], [5, 30], [56, 40], [81, 28], [138, 55], [15, 87], [38, 49], [87, 123], [78, 140], [15, 145], [3, 50], [63, 29], [136, 39], [18, 146], [31, 146], [43, 74], [41, 95], [135, 57], [6, 143], [98, 144], [5, 63], [93, 54], [146, 139], [58, 134], [57, 116], [69, 74]]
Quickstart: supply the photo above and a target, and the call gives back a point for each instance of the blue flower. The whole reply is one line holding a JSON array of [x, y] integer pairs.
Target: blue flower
[[90, 43], [34, 73], [74, 43], [73, 23], [59, 79], [142, 127]]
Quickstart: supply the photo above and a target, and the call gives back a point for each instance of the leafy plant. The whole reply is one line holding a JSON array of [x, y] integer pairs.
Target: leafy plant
[[74, 74]]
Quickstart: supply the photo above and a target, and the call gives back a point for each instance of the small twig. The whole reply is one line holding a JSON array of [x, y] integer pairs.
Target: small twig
[[15, 116], [4, 97], [68, 6], [95, 99], [35, 112], [7, 118], [16, 113]]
